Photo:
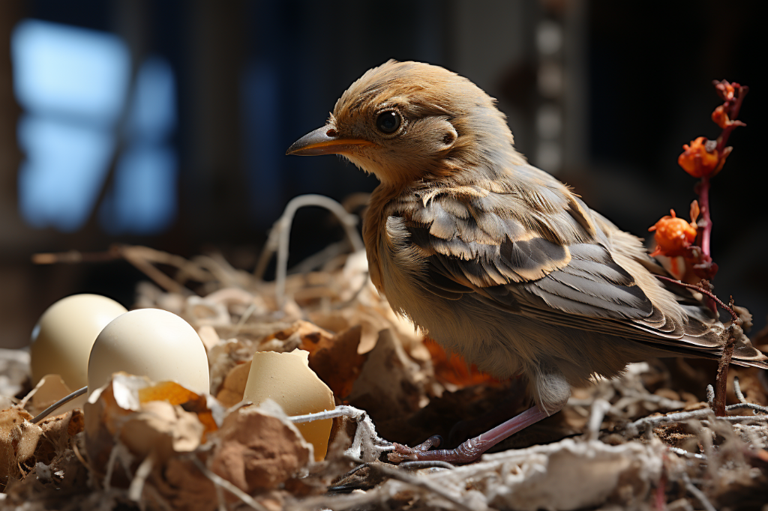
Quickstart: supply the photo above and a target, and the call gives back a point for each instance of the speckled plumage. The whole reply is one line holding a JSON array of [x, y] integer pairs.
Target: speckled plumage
[[494, 258]]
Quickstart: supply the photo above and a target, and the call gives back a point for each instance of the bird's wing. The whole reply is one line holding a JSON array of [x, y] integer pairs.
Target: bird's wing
[[478, 241], [553, 263]]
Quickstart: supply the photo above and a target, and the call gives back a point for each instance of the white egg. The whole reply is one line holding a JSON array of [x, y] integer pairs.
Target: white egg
[[64, 335], [150, 342]]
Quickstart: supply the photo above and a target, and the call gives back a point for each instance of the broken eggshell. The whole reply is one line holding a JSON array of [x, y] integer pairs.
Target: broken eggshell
[[287, 379], [64, 335], [150, 342]]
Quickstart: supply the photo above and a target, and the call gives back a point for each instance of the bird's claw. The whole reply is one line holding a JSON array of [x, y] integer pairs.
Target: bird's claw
[[404, 453]]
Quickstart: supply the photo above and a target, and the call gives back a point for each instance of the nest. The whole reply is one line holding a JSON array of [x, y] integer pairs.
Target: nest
[[645, 440]]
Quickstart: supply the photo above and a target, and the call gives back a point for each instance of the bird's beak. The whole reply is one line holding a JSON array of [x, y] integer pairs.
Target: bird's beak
[[325, 140]]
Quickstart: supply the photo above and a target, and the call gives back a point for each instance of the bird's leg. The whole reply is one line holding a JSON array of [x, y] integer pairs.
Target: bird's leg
[[500, 413], [551, 392], [473, 448]]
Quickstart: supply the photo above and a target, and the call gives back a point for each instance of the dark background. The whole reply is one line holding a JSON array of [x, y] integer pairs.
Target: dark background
[[253, 76]]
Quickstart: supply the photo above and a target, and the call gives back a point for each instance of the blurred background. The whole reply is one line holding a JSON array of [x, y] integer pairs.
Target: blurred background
[[165, 122]]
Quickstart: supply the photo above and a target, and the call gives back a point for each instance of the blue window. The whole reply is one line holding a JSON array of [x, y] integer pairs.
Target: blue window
[[74, 85]]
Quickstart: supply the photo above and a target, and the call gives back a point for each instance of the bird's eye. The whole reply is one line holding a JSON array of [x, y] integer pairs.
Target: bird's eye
[[388, 122]]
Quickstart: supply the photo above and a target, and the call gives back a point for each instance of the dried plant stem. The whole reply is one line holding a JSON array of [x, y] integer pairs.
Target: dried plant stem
[[686, 454], [61, 402], [743, 403], [140, 478], [143, 258], [220, 481], [704, 291], [721, 381], [750, 406], [703, 414], [403, 476], [697, 493], [279, 237], [733, 114], [703, 191], [737, 390]]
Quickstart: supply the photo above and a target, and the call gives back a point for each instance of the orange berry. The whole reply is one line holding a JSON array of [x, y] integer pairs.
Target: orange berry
[[673, 235], [701, 158]]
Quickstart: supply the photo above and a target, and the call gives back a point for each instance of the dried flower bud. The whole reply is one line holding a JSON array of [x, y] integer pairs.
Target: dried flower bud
[[694, 212], [701, 158], [673, 235], [725, 89], [720, 117]]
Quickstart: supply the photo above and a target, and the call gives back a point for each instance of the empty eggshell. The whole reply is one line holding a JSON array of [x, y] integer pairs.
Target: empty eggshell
[[64, 335], [287, 379], [150, 342]]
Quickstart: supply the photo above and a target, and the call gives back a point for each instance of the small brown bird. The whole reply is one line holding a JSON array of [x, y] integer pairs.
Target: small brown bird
[[495, 259]]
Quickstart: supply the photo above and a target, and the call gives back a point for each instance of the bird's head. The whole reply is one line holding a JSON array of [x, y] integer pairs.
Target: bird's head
[[409, 121]]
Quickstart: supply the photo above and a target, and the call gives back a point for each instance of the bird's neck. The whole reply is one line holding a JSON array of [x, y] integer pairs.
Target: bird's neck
[[374, 225]]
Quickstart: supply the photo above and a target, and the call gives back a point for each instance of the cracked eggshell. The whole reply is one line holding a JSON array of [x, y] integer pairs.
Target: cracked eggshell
[[287, 379], [64, 335], [150, 342]]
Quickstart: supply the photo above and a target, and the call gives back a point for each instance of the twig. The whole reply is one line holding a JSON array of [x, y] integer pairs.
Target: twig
[[157, 497], [220, 481], [704, 414], [702, 189], [160, 278], [737, 390], [140, 477], [118, 449], [686, 454], [279, 237], [405, 477], [631, 397], [740, 418], [81, 459], [61, 402], [733, 113], [701, 290], [750, 406], [318, 259], [697, 493], [711, 396], [366, 445], [661, 490], [599, 408], [733, 331], [140, 257], [721, 380], [743, 403], [75, 256], [420, 464]]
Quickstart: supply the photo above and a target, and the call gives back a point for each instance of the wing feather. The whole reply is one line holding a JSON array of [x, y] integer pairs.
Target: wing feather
[[476, 245]]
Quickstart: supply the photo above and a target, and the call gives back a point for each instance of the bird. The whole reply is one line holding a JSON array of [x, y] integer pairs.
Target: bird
[[495, 259]]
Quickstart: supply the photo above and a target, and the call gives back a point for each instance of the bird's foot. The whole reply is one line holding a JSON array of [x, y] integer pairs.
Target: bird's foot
[[467, 452], [473, 448], [405, 453]]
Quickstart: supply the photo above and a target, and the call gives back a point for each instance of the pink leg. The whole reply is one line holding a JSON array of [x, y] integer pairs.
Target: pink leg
[[473, 448]]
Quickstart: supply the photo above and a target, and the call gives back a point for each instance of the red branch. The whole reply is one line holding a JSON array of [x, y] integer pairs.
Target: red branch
[[704, 268]]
